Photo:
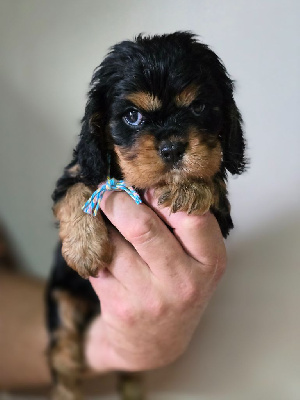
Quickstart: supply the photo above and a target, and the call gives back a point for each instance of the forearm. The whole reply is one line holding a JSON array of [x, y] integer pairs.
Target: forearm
[[23, 337], [98, 354]]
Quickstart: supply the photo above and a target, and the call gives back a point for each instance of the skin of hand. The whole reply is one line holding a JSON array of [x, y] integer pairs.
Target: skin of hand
[[152, 295], [157, 287]]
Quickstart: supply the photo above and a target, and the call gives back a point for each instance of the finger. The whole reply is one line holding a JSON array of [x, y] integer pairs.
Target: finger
[[105, 284], [127, 266], [200, 236], [145, 231]]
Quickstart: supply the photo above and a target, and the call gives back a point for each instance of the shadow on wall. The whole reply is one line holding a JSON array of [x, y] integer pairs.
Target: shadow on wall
[[248, 341], [31, 142]]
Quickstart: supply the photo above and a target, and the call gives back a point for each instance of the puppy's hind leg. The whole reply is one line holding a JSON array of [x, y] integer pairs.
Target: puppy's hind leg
[[66, 346], [71, 303]]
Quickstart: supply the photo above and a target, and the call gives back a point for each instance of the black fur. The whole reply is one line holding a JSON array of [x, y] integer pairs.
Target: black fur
[[65, 278], [163, 66]]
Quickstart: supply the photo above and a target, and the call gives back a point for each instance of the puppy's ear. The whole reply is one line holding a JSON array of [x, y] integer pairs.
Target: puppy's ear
[[92, 149], [232, 138]]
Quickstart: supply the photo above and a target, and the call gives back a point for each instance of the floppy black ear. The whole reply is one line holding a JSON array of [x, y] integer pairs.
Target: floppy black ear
[[92, 149], [232, 138]]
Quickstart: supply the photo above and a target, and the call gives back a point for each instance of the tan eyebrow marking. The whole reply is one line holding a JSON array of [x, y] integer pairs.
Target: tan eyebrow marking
[[74, 170], [187, 96], [145, 101]]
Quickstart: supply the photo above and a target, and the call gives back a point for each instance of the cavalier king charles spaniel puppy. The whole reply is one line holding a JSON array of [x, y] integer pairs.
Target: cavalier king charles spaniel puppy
[[160, 114]]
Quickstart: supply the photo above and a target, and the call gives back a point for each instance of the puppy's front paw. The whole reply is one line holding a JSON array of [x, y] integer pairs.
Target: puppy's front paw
[[86, 247], [85, 243], [191, 197]]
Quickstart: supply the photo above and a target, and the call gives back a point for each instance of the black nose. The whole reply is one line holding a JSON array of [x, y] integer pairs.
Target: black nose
[[172, 152]]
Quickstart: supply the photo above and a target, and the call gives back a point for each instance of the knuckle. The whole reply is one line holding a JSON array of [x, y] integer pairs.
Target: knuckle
[[189, 293], [157, 308], [196, 221], [126, 314]]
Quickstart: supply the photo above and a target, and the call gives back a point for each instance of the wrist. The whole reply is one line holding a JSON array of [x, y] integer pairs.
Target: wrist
[[102, 356], [97, 349]]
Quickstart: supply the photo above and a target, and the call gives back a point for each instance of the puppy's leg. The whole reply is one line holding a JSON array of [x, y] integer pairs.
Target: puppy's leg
[[197, 197], [66, 346], [71, 304], [193, 197], [86, 247]]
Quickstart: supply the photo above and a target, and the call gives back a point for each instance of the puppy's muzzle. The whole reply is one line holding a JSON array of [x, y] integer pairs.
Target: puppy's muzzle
[[172, 151]]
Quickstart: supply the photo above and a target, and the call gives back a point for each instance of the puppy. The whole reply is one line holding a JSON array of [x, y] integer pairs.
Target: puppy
[[161, 109]]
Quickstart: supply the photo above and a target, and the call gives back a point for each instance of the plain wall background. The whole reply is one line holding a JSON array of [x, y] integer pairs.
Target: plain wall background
[[247, 346]]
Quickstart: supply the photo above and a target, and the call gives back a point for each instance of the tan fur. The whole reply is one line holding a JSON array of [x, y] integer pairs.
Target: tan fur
[[66, 356], [74, 170], [187, 96], [203, 156], [189, 187], [191, 196], [194, 189], [85, 243], [145, 101], [141, 165]]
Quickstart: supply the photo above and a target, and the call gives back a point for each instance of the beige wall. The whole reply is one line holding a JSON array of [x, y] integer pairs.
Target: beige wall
[[248, 344]]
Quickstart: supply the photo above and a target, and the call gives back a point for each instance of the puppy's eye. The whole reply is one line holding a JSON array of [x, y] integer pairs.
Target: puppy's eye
[[197, 109], [133, 118]]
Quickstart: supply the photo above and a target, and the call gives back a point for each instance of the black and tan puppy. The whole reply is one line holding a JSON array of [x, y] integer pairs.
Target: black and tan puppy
[[162, 109]]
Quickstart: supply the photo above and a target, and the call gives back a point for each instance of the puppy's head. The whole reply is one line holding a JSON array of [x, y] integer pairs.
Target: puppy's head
[[164, 107]]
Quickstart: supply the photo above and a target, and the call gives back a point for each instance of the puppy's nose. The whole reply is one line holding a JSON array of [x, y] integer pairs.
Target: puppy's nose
[[172, 152]]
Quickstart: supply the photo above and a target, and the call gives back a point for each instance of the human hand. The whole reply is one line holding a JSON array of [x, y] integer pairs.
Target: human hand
[[154, 292]]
